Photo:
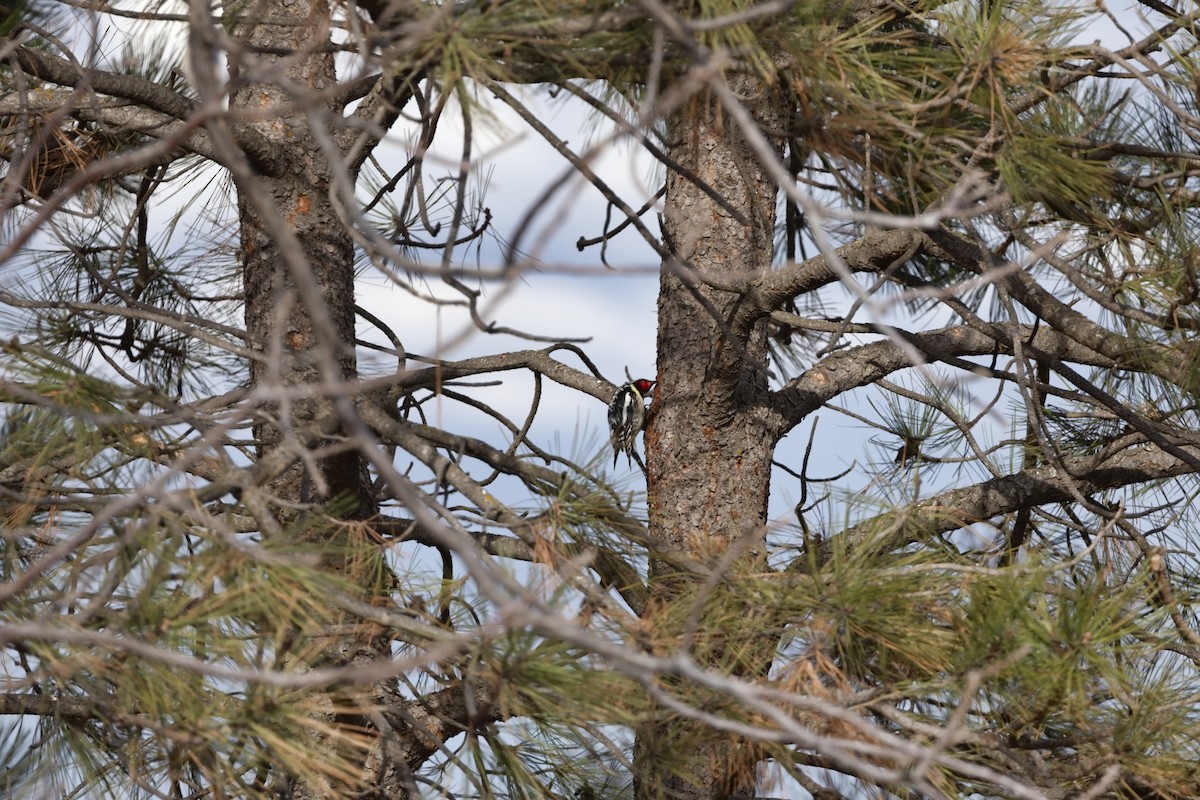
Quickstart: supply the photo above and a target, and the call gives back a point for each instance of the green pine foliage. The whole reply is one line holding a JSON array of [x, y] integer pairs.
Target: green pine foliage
[[171, 626]]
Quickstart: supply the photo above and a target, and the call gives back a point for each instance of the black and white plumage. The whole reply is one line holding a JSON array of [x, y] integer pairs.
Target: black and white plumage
[[626, 415]]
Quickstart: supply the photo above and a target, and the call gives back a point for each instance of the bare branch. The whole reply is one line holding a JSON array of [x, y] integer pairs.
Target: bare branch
[[1126, 462], [860, 366]]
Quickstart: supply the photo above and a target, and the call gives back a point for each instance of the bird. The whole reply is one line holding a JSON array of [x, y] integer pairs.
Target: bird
[[626, 415]]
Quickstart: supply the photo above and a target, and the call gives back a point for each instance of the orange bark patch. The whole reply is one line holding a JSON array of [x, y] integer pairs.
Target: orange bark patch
[[303, 204], [295, 340]]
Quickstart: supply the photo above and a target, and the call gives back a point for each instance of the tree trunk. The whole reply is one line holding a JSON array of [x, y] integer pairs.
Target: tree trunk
[[293, 335], [708, 450], [275, 312]]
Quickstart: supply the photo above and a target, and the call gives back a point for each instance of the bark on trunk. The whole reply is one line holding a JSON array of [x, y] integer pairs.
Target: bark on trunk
[[276, 94], [708, 450], [275, 313]]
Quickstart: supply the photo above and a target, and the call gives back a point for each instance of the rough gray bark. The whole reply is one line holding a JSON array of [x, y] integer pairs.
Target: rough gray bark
[[277, 315], [306, 339], [708, 460], [708, 449]]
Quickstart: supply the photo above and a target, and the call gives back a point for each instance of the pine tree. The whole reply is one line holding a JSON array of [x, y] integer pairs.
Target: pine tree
[[243, 559]]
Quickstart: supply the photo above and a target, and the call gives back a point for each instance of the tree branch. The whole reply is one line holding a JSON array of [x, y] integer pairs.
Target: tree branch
[[860, 366], [874, 252], [142, 91], [118, 116], [1126, 462], [149, 95], [42, 705], [613, 570], [436, 718], [495, 544], [534, 360], [1165, 362]]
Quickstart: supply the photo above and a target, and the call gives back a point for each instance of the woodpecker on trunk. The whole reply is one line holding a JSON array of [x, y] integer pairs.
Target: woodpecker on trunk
[[626, 415]]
